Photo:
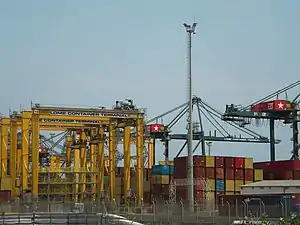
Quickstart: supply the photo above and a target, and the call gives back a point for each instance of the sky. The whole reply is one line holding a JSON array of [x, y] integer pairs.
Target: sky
[[70, 53]]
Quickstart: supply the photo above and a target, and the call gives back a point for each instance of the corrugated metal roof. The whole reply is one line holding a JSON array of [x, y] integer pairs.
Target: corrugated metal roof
[[274, 183]]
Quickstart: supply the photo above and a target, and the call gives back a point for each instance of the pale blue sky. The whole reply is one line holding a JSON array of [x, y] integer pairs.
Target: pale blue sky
[[94, 52]]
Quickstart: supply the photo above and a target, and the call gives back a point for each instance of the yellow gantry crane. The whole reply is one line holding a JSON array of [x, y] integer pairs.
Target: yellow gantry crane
[[82, 174]]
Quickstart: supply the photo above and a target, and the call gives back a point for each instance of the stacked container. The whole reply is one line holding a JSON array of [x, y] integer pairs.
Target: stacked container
[[280, 170], [161, 175]]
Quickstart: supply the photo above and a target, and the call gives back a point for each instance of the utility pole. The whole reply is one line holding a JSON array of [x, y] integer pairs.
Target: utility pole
[[209, 144], [190, 29]]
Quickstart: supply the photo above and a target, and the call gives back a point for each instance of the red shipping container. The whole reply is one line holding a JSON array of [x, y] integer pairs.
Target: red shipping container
[[284, 175], [219, 162], [297, 175], [239, 162], [249, 174], [199, 161], [182, 194], [220, 173], [210, 172], [160, 189], [229, 162], [239, 174], [199, 172], [278, 165], [229, 174]]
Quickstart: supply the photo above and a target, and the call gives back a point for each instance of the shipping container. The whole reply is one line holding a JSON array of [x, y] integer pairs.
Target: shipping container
[[209, 161], [248, 163], [297, 175], [249, 174], [210, 173], [229, 185], [229, 174], [219, 161], [211, 184], [220, 185], [210, 200], [160, 179], [283, 165], [239, 174], [160, 189], [237, 185], [258, 174], [248, 181], [239, 162], [199, 172], [229, 162], [199, 161], [162, 170], [182, 194], [220, 173]]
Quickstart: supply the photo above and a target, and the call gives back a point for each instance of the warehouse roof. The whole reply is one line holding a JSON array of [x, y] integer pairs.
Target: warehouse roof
[[274, 183]]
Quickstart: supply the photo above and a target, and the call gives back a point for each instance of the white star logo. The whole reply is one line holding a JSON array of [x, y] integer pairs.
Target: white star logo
[[280, 105], [156, 128]]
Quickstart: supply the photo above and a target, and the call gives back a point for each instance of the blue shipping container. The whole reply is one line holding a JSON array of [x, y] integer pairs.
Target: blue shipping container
[[220, 185], [162, 170]]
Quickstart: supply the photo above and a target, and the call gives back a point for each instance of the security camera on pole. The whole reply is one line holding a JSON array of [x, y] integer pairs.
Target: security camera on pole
[[190, 29]]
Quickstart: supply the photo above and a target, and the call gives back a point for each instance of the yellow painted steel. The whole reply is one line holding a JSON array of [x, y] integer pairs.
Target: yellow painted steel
[[150, 153], [26, 117], [101, 162], [127, 155], [13, 155], [35, 142], [112, 162], [83, 164], [5, 123], [83, 171], [140, 158]]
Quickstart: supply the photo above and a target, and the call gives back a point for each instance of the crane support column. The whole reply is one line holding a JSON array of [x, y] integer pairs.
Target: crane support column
[[112, 162], [83, 164], [35, 152], [100, 159], [150, 153], [76, 147], [5, 122], [93, 161], [26, 116], [140, 158], [295, 132], [272, 139], [13, 155], [127, 155]]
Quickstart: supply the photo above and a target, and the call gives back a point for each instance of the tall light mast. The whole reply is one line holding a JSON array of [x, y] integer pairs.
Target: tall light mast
[[190, 29]]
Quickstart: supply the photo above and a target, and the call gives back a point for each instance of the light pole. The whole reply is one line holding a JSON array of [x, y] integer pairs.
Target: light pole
[[190, 29]]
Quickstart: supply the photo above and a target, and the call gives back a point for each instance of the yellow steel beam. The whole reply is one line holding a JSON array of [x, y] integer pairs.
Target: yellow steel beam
[[35, 142], [5, 123], [83, 164], [151, 153], [13, 155], [127, 154], [93, 161], [112, 162], [140, 158], [76, 167], [26, 117], [101, 162]]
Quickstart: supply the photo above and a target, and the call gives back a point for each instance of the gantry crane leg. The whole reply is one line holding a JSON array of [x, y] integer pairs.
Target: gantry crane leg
[[26, 116], [112, 162], [5, 123], [140, 158], [35, 153], [127, 155], [101, 164], [13, 155]]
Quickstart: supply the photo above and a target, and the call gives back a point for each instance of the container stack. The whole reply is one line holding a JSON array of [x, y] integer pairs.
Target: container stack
[[161, 175], [280, 170]]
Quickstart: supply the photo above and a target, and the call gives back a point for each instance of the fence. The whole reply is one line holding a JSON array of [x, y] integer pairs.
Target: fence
[[156, 213]]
